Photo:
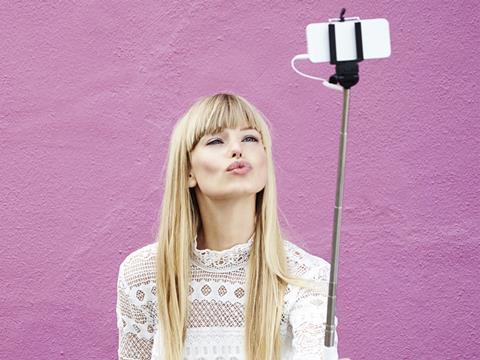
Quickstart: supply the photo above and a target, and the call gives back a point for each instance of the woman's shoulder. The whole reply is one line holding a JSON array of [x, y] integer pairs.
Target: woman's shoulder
[[304, 264], [138, 267]]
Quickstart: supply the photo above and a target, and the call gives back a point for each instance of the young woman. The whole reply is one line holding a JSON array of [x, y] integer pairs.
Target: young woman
[[221, 280]]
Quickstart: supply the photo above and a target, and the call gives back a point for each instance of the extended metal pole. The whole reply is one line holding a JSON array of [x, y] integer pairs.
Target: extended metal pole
[[337, 219]]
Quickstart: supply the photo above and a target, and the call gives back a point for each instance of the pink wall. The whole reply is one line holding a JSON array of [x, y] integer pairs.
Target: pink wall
[[89, 93]]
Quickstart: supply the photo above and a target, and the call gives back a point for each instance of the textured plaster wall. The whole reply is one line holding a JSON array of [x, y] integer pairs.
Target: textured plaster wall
[[90, 91]]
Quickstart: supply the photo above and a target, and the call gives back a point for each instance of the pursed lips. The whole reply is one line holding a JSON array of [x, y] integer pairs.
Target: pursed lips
[[239, 164]]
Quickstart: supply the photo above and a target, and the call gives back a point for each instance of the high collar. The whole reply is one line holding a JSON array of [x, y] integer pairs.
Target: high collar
[[228, 259]]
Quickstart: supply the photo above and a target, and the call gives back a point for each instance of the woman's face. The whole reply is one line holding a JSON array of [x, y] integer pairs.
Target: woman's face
[[215, 152]]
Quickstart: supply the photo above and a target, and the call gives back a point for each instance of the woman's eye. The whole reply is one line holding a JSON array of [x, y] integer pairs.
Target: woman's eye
[[252, 137], [246, 137]]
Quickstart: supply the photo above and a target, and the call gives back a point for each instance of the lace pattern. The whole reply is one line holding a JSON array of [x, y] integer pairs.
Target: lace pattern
[[217, 294], [213, 260], [136, 306], [307, 317]]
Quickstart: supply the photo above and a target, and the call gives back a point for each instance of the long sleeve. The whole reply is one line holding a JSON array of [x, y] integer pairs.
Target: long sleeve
[[308, 316], [135, 320]]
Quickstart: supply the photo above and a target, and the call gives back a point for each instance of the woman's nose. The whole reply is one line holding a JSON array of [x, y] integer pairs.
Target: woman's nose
[[235, 147]]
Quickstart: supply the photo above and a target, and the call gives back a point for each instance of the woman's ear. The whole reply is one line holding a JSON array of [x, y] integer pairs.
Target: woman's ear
[[191, 181]]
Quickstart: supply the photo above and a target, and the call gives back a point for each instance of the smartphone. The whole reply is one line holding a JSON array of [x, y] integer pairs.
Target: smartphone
[[375, 40]]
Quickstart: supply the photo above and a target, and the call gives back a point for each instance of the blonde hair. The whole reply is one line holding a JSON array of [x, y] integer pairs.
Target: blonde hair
[[180, 221]]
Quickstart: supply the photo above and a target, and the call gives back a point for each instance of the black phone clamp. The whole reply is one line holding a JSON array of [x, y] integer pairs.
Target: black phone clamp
[[346, 72]]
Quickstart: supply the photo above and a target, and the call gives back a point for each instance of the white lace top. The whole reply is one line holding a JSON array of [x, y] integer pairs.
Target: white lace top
[[215, 329]]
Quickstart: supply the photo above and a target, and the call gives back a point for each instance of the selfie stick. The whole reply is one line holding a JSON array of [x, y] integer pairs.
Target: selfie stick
[[346, 74]]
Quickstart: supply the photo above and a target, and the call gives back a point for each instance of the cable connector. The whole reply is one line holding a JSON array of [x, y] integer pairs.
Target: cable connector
[[324, 81]]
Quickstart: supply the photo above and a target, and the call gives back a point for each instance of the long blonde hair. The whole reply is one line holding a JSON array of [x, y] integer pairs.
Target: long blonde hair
[[180, 221]]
